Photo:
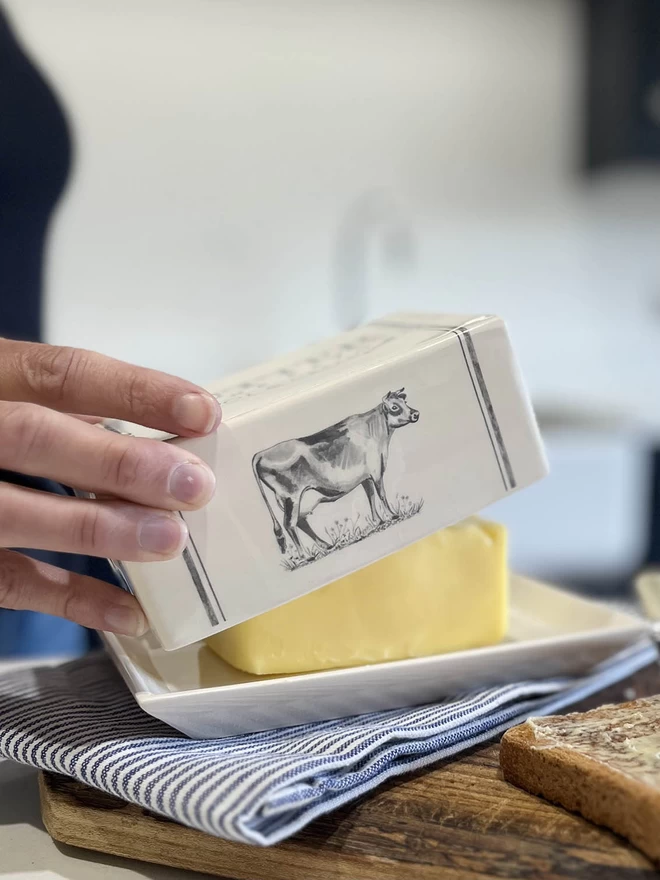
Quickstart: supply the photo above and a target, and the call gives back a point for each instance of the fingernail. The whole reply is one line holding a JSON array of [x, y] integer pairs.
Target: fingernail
[[161, 534], [197, 412], [192, 482], [125, 620]]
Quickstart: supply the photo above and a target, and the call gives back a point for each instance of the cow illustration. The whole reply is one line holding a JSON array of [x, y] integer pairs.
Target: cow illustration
[[324, 467]]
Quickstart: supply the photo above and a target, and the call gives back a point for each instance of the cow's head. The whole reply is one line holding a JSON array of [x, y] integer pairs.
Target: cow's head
[[397, 411]]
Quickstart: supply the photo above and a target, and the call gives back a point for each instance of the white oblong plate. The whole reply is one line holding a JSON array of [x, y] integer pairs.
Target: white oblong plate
[[551, 632]]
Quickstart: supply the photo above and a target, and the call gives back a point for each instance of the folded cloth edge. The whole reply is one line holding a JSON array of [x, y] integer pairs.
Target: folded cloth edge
[[614, 669]]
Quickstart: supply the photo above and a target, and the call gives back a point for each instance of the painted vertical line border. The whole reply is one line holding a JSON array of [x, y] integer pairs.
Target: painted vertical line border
[[201, 580], [486, 405]]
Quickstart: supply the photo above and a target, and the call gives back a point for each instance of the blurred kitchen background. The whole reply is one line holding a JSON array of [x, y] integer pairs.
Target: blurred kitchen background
[[251, 176]]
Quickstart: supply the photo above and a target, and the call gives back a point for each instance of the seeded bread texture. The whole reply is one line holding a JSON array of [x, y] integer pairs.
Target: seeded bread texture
[[601, 764]]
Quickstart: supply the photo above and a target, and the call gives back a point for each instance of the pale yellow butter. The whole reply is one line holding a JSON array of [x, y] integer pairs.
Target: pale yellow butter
[[447, 592]]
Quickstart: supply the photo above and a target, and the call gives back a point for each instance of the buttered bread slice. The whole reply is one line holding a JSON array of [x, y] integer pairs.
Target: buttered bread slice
[[603, 764]]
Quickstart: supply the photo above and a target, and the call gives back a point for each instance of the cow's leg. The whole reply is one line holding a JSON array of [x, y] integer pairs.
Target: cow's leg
[[370, 491], [380, 488], [303, 523], [260, 475], [279, 537], [291, 518]]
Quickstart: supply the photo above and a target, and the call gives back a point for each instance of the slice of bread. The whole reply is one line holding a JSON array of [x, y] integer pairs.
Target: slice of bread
[[603, 764]]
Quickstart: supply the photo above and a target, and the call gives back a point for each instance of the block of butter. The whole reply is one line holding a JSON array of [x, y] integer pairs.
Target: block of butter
[[447, 592], [331, 459]]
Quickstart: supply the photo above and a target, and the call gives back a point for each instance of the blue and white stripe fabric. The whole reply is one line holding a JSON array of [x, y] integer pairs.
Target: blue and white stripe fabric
[[80, 720]]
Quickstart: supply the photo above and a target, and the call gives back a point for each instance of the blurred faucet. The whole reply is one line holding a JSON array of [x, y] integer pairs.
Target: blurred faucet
[[372, 227]]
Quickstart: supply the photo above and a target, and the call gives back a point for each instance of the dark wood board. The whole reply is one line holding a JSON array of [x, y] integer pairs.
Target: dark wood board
[[457, 821]]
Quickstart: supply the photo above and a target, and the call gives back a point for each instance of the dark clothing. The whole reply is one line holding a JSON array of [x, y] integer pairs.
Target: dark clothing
[[35, 157]]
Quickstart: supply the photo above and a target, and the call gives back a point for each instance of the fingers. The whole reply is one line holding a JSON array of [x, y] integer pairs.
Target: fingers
[[28, 585], [91, 420], [74, 380], [110, 529], [40, 442]]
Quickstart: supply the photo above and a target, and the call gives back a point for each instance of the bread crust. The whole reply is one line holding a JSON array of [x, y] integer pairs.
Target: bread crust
[[585, 785]]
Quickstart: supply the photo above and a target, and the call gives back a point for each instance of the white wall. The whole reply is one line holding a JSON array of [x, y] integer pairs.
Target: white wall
[[224, 147]]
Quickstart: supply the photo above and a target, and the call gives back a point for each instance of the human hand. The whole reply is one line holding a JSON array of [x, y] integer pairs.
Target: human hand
[[139, 482]]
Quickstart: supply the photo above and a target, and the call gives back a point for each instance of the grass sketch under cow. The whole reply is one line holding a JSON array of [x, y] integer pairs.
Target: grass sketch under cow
[[297, 476]]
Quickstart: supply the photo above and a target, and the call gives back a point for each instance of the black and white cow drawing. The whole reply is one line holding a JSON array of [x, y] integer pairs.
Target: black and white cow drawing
[[326, 466]]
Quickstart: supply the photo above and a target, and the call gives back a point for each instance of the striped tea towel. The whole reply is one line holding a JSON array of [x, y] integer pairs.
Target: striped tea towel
[[80, 720]]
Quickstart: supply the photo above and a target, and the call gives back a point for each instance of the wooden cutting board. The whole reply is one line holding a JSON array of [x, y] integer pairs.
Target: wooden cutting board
[[458, 821]]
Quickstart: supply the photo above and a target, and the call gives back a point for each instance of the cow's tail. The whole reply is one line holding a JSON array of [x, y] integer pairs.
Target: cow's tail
[[277, 528]]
